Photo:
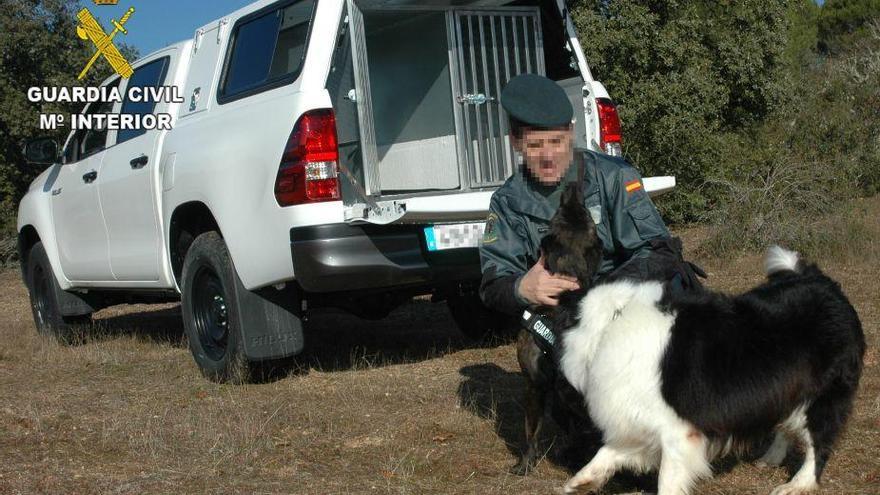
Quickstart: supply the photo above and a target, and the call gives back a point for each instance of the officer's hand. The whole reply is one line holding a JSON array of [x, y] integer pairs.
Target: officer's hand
[[538, 286]]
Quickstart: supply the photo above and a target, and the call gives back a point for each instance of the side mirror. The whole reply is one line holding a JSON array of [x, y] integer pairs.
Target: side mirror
[[42, 151]]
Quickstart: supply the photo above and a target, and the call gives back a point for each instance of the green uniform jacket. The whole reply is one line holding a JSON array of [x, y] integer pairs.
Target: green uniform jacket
[[519, 217]]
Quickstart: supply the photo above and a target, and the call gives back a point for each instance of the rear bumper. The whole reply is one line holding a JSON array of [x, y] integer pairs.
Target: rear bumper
[[342, 257]]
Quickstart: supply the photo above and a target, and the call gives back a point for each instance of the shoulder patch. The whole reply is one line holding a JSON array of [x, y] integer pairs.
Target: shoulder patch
[[490, 234], [633, 186]]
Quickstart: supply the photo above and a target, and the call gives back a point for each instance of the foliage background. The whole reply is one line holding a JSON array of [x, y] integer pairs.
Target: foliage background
[[38, 47], [767, 111]]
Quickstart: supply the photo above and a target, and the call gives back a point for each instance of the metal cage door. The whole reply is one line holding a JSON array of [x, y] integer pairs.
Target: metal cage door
[[492, 47], [363, 99]]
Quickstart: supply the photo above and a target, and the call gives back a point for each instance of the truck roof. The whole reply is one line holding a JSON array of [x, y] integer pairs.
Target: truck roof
[[182, 45]]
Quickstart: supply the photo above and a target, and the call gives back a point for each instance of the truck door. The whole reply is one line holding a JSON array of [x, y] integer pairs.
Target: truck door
[[127, 186], [80, 232]]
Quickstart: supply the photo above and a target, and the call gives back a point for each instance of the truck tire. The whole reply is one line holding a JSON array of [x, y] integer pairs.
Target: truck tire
[[476, 321], [43, 290], [210, 311]]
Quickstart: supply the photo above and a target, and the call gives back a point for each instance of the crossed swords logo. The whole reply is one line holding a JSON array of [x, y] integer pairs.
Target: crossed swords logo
[[90, 29]]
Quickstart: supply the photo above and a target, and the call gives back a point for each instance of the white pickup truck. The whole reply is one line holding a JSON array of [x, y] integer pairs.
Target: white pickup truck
[[327, 153]]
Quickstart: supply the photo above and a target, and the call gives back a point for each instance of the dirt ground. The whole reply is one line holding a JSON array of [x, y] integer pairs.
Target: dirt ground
[[403, 405]]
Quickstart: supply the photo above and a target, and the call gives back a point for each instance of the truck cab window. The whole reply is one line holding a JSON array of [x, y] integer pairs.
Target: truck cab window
[[71, 151], [268, 48], [149, 75], [95, 140], [86, 142], [290, 47]]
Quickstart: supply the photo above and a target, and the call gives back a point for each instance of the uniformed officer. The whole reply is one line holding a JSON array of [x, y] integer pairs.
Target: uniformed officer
[[634, 239]]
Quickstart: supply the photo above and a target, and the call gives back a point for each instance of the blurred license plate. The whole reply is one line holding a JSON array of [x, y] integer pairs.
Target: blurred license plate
[[454, 236]]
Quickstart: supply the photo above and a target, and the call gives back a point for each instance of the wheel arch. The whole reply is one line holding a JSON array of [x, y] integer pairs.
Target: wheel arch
[[188, 221], [35, 223], [27, 238]]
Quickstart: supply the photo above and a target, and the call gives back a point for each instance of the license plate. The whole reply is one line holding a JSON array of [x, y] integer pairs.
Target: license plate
[[454, 236]]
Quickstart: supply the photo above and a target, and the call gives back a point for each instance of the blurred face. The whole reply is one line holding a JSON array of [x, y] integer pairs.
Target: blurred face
[[547, 152]]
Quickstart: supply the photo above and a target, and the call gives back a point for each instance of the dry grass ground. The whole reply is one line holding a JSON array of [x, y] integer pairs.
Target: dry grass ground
[[398, 406]]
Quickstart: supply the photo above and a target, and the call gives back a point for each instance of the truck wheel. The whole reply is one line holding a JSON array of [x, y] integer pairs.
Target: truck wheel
[[42, 289], [210, 311], [476, 321]]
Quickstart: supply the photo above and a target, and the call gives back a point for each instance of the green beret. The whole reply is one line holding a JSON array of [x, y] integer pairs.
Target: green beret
[[537, 101]]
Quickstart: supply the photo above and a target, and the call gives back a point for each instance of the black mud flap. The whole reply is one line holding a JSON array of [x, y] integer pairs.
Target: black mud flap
[[75, 304], [271, 321]]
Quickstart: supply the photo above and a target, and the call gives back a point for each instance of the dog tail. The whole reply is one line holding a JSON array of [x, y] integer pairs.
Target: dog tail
[[780, 259]]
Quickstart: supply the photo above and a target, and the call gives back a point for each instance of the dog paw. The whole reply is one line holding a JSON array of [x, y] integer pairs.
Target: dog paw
[[766, 463], [794, 488], [771, 458], [582, 485]]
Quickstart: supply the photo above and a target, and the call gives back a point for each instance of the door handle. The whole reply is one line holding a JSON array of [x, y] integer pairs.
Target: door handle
[[90, 177], [475, 99], [139, 162]]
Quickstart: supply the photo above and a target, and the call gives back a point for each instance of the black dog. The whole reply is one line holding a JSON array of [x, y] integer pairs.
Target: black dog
[[570, 248]]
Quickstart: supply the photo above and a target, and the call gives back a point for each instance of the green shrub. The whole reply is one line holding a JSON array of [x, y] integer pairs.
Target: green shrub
[[778, 202], [687, 76], [8, 240], [764, 134], [808, 161], [843, 21]]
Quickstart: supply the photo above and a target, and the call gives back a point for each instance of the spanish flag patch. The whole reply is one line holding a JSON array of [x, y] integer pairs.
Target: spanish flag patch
[[633, 186]]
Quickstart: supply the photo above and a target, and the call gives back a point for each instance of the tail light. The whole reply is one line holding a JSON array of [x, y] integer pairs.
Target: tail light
[[308, 172], [609, 127]]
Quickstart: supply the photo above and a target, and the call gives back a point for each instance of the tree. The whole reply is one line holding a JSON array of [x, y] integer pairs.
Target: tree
[[38, 47], [688, 76], [803, 33], [840, 21]]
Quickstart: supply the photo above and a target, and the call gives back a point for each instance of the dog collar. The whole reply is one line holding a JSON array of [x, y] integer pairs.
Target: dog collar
[[540, 328]]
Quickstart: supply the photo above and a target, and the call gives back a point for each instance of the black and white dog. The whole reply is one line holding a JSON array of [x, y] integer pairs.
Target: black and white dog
[[673, 381]]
